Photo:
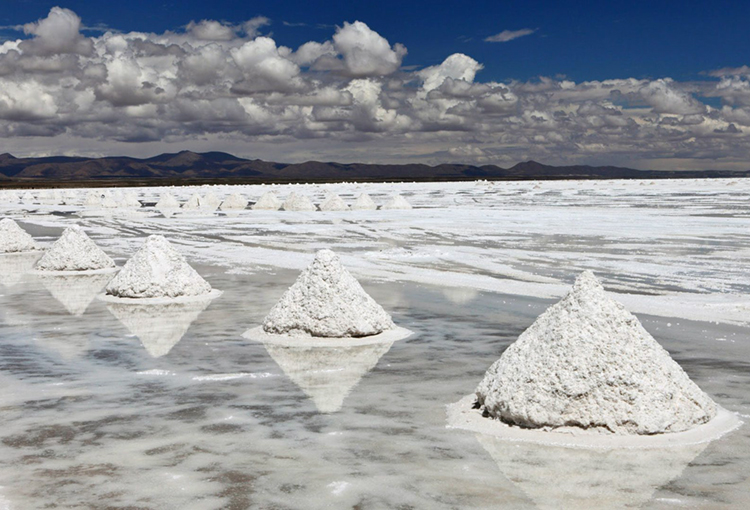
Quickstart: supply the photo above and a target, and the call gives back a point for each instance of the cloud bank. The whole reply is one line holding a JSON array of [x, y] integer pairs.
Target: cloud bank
[[215, 85]]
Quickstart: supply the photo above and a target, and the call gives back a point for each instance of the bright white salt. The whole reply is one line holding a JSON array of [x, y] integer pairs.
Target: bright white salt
[[14, 239], [397, 202], [334, 203], [235, 202], [157, 270], [295, 202], [364, 203], [587, 362], [327, 301], [74, 251], [268, 202]]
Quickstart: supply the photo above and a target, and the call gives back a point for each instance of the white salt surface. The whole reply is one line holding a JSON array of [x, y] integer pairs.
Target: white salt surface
[[75, 252], [296, 202], [588, 363], [364, 203], [327, 301], [397, 202], [269, 202], [14, 239], [157, 270]]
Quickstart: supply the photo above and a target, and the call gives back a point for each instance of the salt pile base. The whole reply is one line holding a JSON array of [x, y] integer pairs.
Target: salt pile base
[[397, 202], [158, 272], [588, 367], [234, 202], [268, 202], [295, 202], [14, 239], [75, 253], [327, 302], [334, 203], [364, 203]]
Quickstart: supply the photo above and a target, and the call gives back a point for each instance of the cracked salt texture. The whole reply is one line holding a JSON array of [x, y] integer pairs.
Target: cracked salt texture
[[157, 270], [235, 202], [269, 202], [588, 363], [327, 301], [167, 201], [14, 239], [74, 251], [397, 202], [364, 203], [334, 203], [295, 202]]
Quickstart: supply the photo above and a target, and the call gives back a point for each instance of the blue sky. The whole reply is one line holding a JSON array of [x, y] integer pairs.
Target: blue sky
[[594, 82]]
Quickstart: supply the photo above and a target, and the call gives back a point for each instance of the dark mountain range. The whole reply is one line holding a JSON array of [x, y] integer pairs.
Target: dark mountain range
[[217, 167]]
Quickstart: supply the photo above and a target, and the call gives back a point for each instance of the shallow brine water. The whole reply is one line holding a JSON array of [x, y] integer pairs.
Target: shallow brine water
[[97, 417]]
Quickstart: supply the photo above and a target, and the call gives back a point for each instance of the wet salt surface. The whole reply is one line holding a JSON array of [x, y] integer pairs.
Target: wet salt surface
[[92, 420]]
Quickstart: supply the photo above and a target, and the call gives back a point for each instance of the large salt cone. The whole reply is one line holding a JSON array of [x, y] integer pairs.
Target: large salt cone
[[334, 203], [14, 267], [234, 202], [587, 362], [157, 270], [327, 301], [74, 251], [364, 203], [268, 202], [295, 202], [397, 202], [14, 239], [555, 477], [75, 292], [159, 327], [327, 374]]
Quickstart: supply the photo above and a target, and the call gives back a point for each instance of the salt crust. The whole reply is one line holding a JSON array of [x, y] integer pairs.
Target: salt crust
[[14, 239], [74, 253], [334, 203], [588, 363], [268, 202], [397, 202], [327, 301], [234, 202], [464, 415], [364, 203], [157, 270], [295, 202]]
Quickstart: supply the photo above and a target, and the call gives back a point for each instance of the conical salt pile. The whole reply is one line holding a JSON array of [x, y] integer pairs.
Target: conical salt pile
[[11, 197], [268, 202], [334, 203], [109, 201], [327, 301], [210, 202], [193, 203], [14, 239], [74, 251], [131, 200], [295, 202], [364, 203], [587, 362], [234, 202], [157, 270], [27, 198], [167, 201], [397, 202], [93, 199]]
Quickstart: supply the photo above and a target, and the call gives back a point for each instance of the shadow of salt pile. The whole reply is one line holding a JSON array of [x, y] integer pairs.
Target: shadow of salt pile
[[327, 374], [159, 327], [15, 266], [75, 292], [557, 477]]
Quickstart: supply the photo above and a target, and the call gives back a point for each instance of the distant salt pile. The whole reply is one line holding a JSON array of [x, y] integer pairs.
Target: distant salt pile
[[268, 202], [157, 270], [364, 203], [93, 199], [588, 363], [28, 198], [397, 202], [210, 202], [14, 239], [334, 203], [11, 197], [130, 200], [74, 251], [295, 202], [109, 201], [234, 202], [167, 201], [193, 203], [327, 301]]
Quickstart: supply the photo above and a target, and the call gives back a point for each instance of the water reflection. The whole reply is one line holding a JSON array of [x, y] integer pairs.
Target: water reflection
[[327, 374], [555, 477], [158, 326], [14, 266], [75, 292]]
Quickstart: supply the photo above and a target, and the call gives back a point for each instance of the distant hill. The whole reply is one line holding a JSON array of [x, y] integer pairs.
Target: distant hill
[[188, 167]]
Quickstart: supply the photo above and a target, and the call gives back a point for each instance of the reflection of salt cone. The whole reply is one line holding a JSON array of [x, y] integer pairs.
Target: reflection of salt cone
[[75, 292], [555, 477], [13, 266], [327, 374], [159, 326]]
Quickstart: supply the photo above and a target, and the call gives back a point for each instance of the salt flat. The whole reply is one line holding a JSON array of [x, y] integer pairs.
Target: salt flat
[[215, 421]]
